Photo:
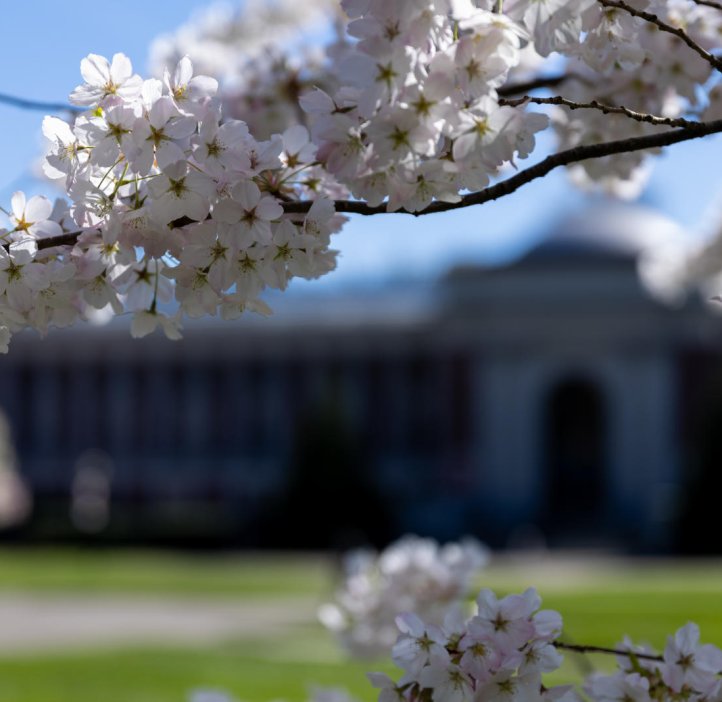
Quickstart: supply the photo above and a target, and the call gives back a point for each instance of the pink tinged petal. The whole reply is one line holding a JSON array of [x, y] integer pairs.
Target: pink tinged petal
[[53, 167], [195, 206], [5, 336], [209, 129], [141, 158], [158, 186], [57, 130], [85, 96], [17, 203], [234, 160], [464, 145], [23, 250], [202, 86], [262, 231], [227, 211], [284, 232], [233, 132], [687, 637], [380, 680], [243, 236], [196, 256], [95, 70], [317, 101], [487, 603], [151, 91], [409, 623], [176, 170], [268, 208], [35, 276], [247, 194], [201, 184], [515, 606], [20, 297], [355, 8], [321, 210], [168, 153], [547, 623], [143, 323], [161, 112], [295, 138], [180, 128], [46, 228], [183, 72], [131, 88], [167, 208], [141, 131], [38, 208], [709, 658], [121, 69], [171, 328]]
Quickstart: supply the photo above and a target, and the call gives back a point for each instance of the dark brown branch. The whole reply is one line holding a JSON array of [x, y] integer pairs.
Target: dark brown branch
[[24, 104], [564, 158], [694, 130], [606, 109], [534, 84], [661, 24], [709, 3], [602, 649]]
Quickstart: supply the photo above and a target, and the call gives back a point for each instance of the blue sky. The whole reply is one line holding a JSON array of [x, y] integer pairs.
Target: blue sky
[[44, 41]]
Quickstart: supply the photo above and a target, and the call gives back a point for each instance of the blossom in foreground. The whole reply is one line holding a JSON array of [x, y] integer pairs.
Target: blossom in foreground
[[404, 110], [437, 664]]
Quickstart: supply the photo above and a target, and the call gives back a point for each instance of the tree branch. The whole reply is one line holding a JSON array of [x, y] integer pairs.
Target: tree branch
[[661, 24], [24, 104], [576, 154], [709, 3], [606, 109], [534, 84], [693, 130], [602, 649]]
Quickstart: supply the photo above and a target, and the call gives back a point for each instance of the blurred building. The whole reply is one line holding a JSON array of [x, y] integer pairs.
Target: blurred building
[[550, 400]]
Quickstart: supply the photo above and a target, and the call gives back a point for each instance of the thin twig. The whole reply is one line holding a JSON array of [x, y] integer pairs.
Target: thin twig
[[594, 105], [709, 3], [24, 104], [694, 130], [661, 24], [602, 649]]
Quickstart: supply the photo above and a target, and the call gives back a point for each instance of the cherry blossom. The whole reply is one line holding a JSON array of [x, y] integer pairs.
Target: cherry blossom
[[227, 185], [410, 575]]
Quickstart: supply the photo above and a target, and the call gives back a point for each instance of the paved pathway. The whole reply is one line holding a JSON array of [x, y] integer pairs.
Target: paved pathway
[[52, 622]]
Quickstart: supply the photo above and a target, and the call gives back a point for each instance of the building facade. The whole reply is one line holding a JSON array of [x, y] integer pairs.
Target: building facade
[[549, 400]]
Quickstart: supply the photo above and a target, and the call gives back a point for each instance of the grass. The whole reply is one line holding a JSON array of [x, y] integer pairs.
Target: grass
[[133, 572], [599, 604]]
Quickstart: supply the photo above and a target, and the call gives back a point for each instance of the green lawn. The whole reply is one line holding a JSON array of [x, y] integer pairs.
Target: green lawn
[[158, 572], [599, 604]]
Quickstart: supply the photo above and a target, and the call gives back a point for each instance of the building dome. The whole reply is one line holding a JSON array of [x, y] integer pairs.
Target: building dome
[[607, 229]]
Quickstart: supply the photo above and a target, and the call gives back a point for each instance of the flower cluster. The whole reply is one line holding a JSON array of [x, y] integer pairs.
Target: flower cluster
[[498, 655], [166, 200], [176, 207], [624, 60], [416, 118], [411, 575], [247, 49], [687, 670], [414, 74], [503, 652]]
